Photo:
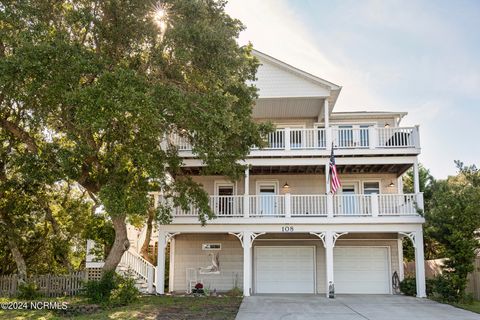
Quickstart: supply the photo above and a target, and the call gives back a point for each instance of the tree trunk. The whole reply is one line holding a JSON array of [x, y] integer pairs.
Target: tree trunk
[[148, 235], [120, 245], [18, 257]]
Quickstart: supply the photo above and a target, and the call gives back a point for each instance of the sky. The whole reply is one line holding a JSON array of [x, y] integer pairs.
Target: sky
[[422, 57]]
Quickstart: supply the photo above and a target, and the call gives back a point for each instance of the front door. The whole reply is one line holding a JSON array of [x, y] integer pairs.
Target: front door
[[349, 199], [268, 200], [225, 200]]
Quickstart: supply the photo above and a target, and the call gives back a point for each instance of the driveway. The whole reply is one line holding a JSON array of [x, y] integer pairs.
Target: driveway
[[348, 307]]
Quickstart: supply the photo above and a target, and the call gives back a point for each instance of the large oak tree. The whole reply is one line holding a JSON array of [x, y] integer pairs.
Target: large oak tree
[[91, 89]]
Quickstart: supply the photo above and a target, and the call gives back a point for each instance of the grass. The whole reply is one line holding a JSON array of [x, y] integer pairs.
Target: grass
[[474, 307], [147, 307]]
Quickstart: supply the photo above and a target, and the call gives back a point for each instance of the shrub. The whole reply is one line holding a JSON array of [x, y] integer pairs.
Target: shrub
[[125, 292], [99, 291], [408, 286], [111, 289], [28, 291]]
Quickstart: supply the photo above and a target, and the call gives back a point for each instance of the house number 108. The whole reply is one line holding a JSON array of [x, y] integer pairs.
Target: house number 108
[[287, 229]]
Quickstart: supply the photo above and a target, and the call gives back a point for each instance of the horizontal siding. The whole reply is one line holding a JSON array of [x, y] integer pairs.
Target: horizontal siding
[[189, 254]]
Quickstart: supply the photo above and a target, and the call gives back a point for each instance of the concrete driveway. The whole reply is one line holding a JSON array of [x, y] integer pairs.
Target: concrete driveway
[[348, 307]]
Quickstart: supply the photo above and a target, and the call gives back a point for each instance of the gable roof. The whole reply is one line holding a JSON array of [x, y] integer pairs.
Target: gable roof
[[276, 78]]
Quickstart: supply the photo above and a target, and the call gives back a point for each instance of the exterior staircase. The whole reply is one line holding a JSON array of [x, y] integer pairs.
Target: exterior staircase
[[143, 272]]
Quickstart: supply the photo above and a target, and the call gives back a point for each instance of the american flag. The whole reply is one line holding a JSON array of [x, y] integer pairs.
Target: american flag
[[334, 179]]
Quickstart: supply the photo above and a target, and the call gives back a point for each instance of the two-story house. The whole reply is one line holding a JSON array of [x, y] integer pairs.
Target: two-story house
[[280, 229]]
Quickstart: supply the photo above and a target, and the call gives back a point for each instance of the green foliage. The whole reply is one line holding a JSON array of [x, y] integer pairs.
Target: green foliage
[[125, 292], [112, 289], [28, 291], [90, 90], [454, 219], [408, 286]]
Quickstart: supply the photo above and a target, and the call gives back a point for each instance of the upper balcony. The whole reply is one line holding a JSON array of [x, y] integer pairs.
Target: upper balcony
[[352, 140], [295, 208]]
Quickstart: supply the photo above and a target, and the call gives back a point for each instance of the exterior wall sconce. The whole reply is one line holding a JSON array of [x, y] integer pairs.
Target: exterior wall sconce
[[391, 185], [387, 125], [286, 187]]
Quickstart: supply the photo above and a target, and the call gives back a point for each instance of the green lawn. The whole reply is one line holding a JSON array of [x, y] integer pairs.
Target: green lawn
[[149, 307], [475, 306]]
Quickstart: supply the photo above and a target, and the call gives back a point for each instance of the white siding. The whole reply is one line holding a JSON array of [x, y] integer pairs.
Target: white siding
[[274, 81]]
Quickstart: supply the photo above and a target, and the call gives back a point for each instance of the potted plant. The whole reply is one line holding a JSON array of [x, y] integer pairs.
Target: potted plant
[[198, 289]]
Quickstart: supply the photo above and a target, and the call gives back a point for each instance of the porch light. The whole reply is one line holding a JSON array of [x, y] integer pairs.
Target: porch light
[[286, 187], [387, 125], [391, 185]]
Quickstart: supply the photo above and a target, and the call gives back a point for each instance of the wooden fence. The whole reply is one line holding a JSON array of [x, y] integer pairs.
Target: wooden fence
[[48, 285], [473, 285]]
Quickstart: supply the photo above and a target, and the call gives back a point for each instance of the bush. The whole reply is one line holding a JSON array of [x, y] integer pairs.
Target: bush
[[28, 291], [111, 289], [234, 292], [125, 293], [408, 286]]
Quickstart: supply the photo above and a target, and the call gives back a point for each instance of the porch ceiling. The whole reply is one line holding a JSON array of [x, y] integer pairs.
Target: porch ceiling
[[397, 169], [268, 108]]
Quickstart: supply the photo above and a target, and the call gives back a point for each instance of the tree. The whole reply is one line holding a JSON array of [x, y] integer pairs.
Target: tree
[[93, 89], [426, 182], [454, 219]]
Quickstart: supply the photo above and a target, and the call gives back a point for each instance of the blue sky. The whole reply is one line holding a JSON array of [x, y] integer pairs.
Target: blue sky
[[422, 57]]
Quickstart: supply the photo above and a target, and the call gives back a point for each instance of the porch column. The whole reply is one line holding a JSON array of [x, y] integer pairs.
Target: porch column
[[247, 262], [160, 276], [420, 265], [401, 271], [329, 243], [246, 192], [416, 179], [326, 122]]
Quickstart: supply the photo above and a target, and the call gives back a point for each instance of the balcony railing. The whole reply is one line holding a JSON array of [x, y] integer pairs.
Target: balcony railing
[[322, 139], [291, 206]]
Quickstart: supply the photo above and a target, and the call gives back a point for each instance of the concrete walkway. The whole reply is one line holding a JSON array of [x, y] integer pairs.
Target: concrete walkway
[[348, 307]]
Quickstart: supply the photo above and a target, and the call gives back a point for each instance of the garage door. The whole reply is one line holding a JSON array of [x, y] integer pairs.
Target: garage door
[[361, 270], [284, 270]]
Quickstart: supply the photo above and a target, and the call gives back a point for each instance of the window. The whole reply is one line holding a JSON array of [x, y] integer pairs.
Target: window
[[224, 204], [371, 187]]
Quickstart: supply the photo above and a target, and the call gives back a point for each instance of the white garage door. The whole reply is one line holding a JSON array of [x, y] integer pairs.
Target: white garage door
[[361, 270], [284, 270]]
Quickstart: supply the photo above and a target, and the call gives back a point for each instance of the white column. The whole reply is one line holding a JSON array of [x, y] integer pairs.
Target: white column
[[287, 138], [247, 263], [288, 205], [171, 267], [420, 265], [246, 192], [416, 179], [160, 279], [401, 273], [375, 207], [326, 113], [150, 279], [329, 243]]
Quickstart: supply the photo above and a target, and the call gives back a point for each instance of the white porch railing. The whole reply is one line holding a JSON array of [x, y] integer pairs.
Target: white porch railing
[[267, 206], [321, 138], [309, 205], [352, 205], [140, 267], [289, 205]]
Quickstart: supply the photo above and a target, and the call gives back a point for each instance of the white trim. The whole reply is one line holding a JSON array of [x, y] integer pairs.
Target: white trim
[[267, 182], [224, 183], [171, 268], [401, 271], [389, 262], [313, 239], [254, 286]]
